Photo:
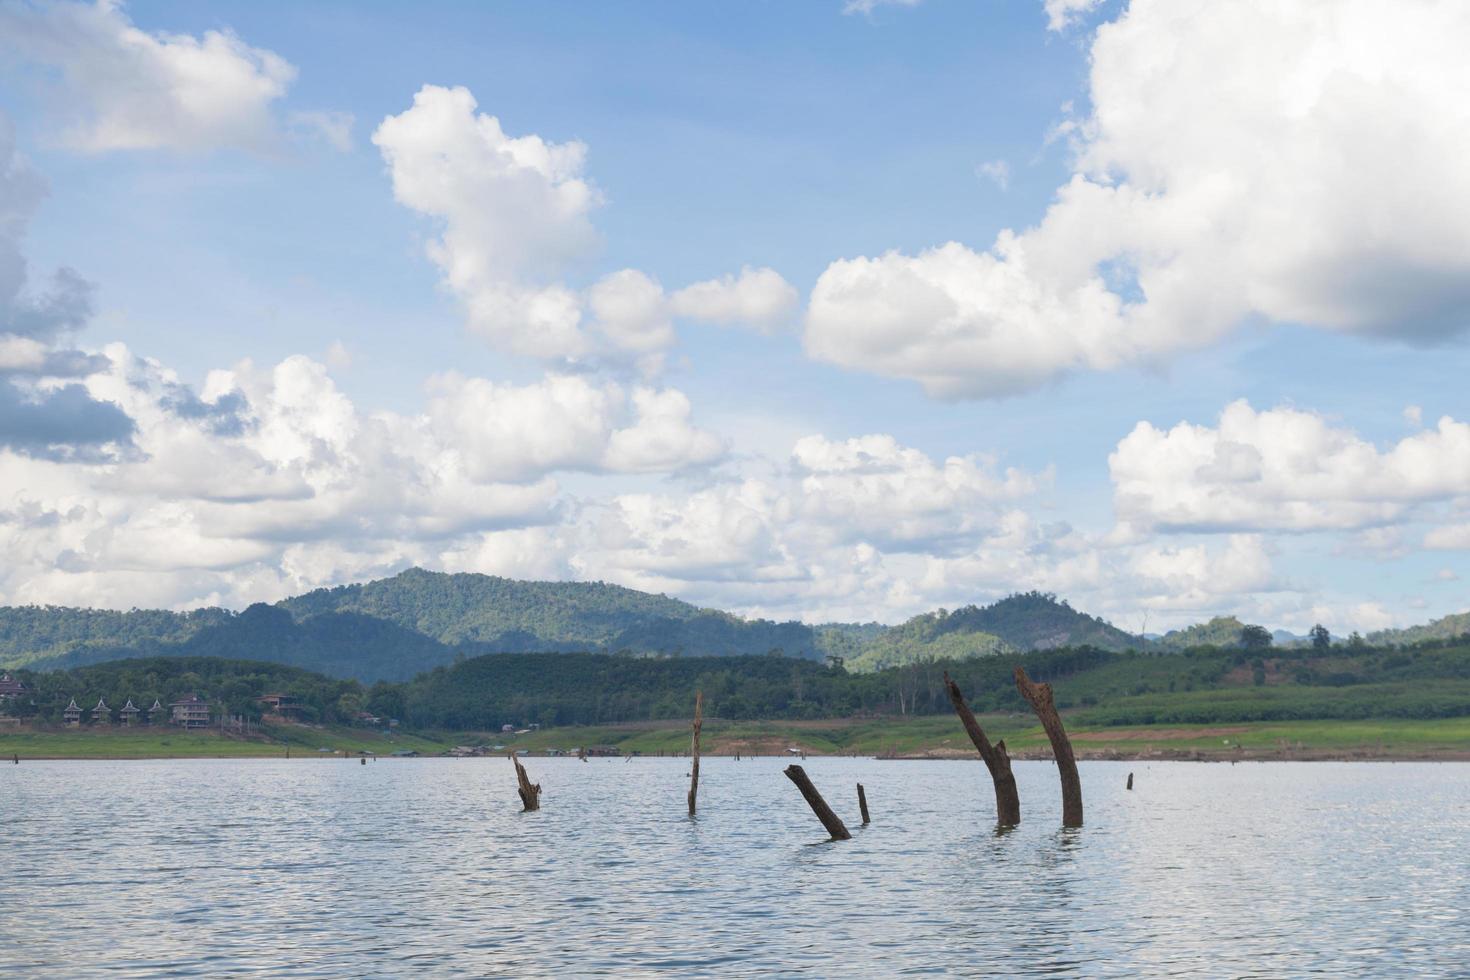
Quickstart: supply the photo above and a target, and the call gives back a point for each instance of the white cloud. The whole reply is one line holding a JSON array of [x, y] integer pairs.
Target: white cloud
[[269, 481], [757, 298], [515, 216], [1448, 537], [139, 90], [1291, 162], [508, 432], [1281, 469], [514, 212]]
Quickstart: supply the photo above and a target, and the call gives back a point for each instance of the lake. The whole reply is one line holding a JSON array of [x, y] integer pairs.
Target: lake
[[426, 867]]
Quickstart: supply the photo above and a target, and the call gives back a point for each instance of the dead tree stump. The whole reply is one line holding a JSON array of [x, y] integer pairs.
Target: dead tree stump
[[530, 793], [694, 750], [1007, 799], [863, 804], [1040, 698], [1130, 780], [830, 820]]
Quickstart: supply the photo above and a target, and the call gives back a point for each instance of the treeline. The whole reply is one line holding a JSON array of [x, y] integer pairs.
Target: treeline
[[230, 686], [1207, 684]]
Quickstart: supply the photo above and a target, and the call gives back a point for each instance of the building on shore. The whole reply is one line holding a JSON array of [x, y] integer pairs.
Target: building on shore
[[11, 688], [102, 714], [191, 712], [129, 714], [282, 705], [73, 714], [156, 713]]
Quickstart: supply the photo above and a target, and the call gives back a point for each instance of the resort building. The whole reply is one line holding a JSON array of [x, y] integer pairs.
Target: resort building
[[280, 704], [10, 687], [72, 714], [102, 714], [191, 712], [129, 714], [155, 713]]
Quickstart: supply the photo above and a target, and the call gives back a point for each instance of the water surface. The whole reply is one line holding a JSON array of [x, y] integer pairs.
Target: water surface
[[427, 867]]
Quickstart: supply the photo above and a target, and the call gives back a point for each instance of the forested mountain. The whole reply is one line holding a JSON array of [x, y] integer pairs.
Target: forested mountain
[[1025, 621], [1222, 631], [395, 628], [510, 616], [1451, 627], [29, 633]]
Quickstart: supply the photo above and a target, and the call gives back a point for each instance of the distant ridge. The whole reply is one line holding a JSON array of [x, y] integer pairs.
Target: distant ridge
[[394, 628]]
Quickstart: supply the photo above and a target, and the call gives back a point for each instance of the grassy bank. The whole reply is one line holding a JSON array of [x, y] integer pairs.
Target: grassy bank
[[939, 736], [150, 743], [934, 736]]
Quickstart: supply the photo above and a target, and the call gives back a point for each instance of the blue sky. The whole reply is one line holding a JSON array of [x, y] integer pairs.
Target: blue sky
[[1197, 261]]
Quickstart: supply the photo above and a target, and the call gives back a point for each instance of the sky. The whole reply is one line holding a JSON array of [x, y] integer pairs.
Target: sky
[[820, 310]]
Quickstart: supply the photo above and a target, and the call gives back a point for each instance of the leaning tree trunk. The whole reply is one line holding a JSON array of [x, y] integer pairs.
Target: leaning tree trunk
[[1042, 702], [835, 827], [529, 792], [694, 750], [1007, 800]]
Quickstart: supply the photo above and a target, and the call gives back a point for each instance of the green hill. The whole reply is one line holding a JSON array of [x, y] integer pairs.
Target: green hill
[[31, 633], [1222, 631], [1451, 627], [508, 616], [1025, 621]]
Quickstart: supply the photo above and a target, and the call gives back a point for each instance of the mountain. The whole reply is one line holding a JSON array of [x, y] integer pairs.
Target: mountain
[[1222, 631], [33, 633], [1025, 621], [394, 628], [509, 616], [1451, 627]]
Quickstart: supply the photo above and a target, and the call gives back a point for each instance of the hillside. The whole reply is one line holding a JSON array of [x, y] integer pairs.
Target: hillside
[[32, 633], [1222, 631], [508, 616], [1025, 621], [1451, 627]]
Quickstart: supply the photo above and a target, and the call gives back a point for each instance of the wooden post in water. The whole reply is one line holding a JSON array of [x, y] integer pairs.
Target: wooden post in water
[[1007, 799], [1130, 780], [863, 804], [694, 751], [830, 820], [530, 793], [1042, 702]]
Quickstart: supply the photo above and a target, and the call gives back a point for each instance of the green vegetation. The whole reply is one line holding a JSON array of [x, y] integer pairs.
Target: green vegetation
[[1026, 621], [167, 743], [1453, 627], [31, 633], [503, 615]]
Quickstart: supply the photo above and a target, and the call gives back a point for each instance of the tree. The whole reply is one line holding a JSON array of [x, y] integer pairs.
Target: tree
[[1356, 641], [1321, 639], [1255, 638]]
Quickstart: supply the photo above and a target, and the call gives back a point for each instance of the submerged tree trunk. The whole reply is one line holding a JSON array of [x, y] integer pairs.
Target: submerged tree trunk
[[694, 750], [830, 820], [530, 793], [863, 804], [1042, 702], [1007, 800]]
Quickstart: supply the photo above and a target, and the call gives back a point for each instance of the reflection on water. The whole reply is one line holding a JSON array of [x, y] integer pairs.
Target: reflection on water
[[305, 868]]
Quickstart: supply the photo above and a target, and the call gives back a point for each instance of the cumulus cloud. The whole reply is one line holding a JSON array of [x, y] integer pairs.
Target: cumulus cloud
[[515, 216], [1294, 163], [43, 411], [513, 212], [757, 298], [265, 481], [1281, 469], [133, 89], [997, 172]]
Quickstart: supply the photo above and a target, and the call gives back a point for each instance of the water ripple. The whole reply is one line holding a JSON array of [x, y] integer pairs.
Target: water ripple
[[425, 867]]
